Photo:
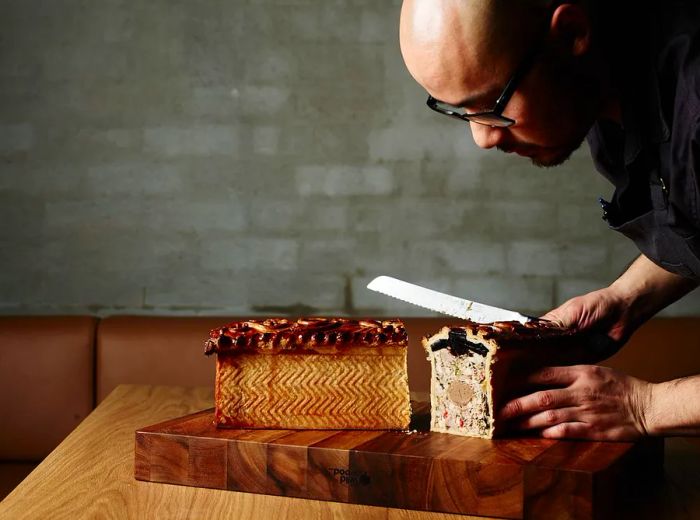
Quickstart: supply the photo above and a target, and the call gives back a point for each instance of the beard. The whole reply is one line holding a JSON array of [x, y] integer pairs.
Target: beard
[[548, 157], [556, 159]]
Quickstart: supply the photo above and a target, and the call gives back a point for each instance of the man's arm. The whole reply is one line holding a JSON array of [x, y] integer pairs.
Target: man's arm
[[592, 402], [674, 407], [619, 309], [645, 289]]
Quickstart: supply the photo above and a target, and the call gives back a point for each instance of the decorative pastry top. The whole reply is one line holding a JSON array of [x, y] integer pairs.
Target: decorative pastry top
[[281, 335], [459, 338], [535, 329]]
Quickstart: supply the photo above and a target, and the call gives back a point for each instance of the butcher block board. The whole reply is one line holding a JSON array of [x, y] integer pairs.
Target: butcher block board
[[418, 469]]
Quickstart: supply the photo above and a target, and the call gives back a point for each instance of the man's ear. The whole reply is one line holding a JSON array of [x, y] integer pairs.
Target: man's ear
[[570, 29]]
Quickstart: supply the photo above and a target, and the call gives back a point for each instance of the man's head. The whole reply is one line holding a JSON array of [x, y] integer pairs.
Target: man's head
[[464, 52]]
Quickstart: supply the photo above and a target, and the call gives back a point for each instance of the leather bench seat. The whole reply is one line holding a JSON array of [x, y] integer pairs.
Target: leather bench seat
[[46, 387], [662, 349], [154, 350]]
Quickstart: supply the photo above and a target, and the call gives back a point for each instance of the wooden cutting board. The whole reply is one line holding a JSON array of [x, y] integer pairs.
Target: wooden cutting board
[[508, 478]]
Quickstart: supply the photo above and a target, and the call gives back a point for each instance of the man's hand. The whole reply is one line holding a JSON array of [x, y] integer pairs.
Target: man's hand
[[591, 402], [582, 402], [603, 318], [618, 310], [604, 310]]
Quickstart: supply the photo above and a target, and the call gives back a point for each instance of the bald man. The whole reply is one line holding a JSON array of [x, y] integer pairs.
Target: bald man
[[536, 78]]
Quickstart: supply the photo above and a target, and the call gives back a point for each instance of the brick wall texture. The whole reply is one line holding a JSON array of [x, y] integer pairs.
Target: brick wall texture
[[263, 157]]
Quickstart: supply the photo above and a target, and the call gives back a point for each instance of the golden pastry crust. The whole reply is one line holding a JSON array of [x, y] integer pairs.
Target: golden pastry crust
[[323, 335], [311, 373], [313, 391]]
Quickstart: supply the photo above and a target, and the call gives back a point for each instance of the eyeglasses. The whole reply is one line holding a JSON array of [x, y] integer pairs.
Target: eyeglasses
[[493, 117]]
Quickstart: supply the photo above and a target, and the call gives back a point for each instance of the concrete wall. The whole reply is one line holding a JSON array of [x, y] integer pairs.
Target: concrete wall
[[266, 157]]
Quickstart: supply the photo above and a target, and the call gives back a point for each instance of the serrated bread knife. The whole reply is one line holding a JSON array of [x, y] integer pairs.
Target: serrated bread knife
[[443, 303], [601, 345]]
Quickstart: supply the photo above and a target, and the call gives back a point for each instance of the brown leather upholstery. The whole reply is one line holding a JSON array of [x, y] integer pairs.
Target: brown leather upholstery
[[662, 349], [46, 382], [154, 350]]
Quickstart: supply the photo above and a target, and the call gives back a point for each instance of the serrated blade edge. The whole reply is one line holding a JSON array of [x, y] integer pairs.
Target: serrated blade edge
[[442, 303]]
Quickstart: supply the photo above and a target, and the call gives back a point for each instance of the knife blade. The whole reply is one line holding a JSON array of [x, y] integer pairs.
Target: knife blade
[[600, 345], [443, 303]]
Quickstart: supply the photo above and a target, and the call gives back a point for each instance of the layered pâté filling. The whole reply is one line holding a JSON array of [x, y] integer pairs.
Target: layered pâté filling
[[460, 384]]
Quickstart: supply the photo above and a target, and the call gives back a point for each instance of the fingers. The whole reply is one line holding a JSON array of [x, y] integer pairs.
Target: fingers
[[553, 376], [568, 430], [549, 418], [554, 318], [580, 312], [564, 316], [588, 431], [537, 402]]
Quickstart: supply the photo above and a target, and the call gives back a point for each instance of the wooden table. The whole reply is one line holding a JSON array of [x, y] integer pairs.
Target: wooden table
[[91, 474]]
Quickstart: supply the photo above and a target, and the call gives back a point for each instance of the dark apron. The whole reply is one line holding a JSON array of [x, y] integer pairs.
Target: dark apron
[[663, 234]]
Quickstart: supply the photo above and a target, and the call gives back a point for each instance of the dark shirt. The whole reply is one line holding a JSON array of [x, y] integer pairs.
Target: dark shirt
[[653, 159]]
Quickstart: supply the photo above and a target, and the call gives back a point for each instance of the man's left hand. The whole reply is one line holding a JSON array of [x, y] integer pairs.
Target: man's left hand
[[582, 402]]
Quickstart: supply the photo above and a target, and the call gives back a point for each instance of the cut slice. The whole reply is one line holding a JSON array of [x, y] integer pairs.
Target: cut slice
[[474, 365]]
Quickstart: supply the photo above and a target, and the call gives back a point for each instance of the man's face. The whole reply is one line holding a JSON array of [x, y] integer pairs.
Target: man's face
[[551, 117], [553, 105]]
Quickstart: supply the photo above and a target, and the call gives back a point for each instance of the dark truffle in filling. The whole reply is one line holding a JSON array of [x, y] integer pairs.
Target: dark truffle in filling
[[459, 345]]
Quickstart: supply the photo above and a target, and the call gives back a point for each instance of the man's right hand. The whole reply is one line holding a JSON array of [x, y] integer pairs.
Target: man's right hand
[[618, 310], [600, 317], [602, 310]]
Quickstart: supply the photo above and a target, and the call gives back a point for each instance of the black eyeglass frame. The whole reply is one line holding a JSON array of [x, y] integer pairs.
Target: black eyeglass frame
[[496, 113]]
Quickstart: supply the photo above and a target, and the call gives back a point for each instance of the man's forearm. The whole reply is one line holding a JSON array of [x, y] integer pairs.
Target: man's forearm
[[673, 407], [646, 288]]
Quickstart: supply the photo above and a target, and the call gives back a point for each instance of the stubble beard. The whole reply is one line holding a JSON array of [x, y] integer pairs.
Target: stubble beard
[[556, 159]]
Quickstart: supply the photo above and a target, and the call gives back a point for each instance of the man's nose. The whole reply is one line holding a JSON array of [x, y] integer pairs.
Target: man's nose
[[486, 136]]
